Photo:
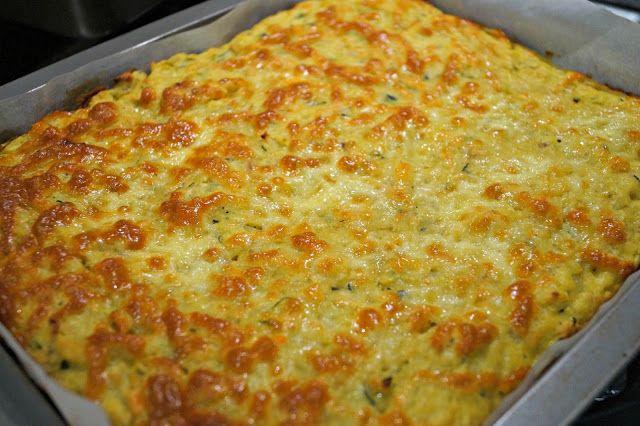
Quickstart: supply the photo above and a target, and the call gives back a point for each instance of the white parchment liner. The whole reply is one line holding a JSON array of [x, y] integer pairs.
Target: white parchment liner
[[577, 34]]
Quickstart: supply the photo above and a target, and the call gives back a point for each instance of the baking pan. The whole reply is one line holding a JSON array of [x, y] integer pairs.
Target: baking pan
[[572, 372], [21, 402]]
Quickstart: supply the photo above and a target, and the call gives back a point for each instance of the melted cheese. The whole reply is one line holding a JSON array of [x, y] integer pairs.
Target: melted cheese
[[355, 212]]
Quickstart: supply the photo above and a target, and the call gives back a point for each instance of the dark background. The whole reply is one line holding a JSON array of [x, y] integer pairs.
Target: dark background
[[24, 49]]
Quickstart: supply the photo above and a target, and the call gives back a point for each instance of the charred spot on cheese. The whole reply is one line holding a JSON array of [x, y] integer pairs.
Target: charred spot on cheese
[[60, 214], [80, 181], [579, 217], [302, 402], [607, 262], [469, 381], [157, 262], [612, 230], [307, 242], [368, 319], [99, 347], [132, 236], [241, 359], [219, 169], [520, 293], [282, 96], [104, 113], [292, 164], [114, 272], [115, 183], [467, 337], [183, 213], [180, 132], [355, 212]]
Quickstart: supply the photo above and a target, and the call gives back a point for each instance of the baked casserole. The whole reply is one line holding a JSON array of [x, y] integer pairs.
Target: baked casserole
[[364, 212]]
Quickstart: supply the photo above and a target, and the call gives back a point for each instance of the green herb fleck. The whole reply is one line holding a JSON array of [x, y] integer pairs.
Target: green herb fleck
[[379, 398], [369, 398], [275, 305], [269, 323], [391, 98], [64, 365], [221, 56]]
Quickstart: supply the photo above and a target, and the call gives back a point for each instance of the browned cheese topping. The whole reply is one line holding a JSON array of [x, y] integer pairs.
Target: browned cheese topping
[[363, 212]]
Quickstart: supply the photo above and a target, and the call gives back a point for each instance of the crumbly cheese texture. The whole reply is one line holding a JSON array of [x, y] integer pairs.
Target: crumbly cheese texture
[[357, 212]]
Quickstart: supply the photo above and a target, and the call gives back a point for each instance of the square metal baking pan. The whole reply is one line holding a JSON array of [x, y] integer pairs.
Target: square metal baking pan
[[555, 394]]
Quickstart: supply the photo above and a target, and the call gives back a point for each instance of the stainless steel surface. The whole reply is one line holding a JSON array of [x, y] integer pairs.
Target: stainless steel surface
[[632, 14], [557, 396], [181, 21], [631, 4], [75, 18], [613, 389]]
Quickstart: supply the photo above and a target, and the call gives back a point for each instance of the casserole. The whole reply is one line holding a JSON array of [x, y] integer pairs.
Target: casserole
[[179, 133]]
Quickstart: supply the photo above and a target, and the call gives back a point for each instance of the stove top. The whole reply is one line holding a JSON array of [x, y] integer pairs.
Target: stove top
[[24, 50]]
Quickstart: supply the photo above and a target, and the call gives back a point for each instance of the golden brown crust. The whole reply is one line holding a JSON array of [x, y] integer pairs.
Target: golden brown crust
[[362, 212]]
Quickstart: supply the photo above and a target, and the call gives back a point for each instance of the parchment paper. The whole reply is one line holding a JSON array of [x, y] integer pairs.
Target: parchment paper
[[578, 34]]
